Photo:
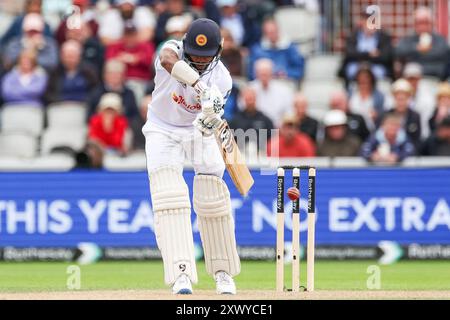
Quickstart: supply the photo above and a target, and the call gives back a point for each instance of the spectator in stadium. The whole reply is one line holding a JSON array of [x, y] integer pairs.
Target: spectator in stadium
[[290, 142], [288, 62], [356, 123], [91, 157], [114, 81], [425, 46], [338, 141], [93, 50], [84, 14], [16, 28], [365, 99], [26, 82], [171, 8], [274, 99], [250, 118], [108, 126], [402, 92], [442, 110], [254, 13], [176, 27], [438, 144], [137, 56], [232, 20], [231, 54], [390, 143], [368, 45], [33, 39], [72, 80], [112, 25], [305, 123], [422, 100]]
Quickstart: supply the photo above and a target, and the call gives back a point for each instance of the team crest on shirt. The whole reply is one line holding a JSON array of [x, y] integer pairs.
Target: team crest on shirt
[[180, 100], [201, 40]]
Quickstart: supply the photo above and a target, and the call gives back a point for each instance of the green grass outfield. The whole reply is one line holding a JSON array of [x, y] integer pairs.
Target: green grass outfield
[[148, 275]]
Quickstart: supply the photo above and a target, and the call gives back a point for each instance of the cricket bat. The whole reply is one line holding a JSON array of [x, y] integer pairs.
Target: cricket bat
[[234, 160]]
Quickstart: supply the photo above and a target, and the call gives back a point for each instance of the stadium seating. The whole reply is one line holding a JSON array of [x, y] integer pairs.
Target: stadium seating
[[74, 138], [17, 144], [66, 115], [299, 25], [348, 162], [318, 94], [54, 162], [322, 67], [134, 161], [22, 118]]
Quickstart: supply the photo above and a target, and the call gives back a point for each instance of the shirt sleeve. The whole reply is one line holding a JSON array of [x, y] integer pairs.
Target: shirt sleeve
[[175, 46], [225, 83]]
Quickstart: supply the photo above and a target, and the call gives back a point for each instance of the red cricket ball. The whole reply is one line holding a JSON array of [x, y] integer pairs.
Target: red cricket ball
[[293, 193]]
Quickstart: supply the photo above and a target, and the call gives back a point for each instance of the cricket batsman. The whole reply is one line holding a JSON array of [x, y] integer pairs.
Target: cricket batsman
[[191, 87]]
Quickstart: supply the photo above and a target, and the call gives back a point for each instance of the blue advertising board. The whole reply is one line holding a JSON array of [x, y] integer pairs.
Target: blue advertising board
[[113, 209]]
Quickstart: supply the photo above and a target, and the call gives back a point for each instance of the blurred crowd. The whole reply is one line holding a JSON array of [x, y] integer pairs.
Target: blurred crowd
[[101, 56]]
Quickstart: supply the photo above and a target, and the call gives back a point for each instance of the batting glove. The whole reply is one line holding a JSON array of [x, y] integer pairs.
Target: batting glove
[[212, 101], [208, 123], [200, 87]]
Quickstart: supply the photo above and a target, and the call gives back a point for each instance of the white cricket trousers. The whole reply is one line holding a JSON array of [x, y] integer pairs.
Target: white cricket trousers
[[173, 148]]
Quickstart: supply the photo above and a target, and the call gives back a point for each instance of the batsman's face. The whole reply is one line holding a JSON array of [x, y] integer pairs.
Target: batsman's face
[[201, 63]]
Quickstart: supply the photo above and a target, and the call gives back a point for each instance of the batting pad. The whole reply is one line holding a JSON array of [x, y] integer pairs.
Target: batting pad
[[172, 223], [213, 206]]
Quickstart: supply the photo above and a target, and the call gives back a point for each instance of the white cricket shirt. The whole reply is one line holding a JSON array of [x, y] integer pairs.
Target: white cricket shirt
[[175, 104]]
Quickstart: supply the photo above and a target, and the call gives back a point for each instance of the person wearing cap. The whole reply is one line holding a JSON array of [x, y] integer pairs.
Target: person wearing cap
[[137, 55], [338, 141], [175, 28], [290, 142], [108, 126], [425, 46], [112, 25], [114, 81], [442, 109], [367, 45], [390, 144], [356, 123], [72, 80], [288, 62], [402, 93], [191, 88], [171, 8], [33, 39], [16, 28], [438, 144]]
